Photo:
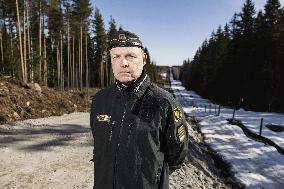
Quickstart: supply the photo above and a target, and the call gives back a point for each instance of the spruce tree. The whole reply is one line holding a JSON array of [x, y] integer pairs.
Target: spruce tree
[[272, 30]]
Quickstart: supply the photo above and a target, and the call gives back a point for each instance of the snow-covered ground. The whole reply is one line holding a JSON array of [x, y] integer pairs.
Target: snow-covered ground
[[255, 164]]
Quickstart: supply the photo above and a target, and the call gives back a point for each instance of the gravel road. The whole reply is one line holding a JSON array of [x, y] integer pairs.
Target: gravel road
[[51, 152], [55, 153]]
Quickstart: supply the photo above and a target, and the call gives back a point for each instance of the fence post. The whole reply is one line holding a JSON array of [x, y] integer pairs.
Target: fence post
[[260, 129], [205, 107], [219, 109], [234, 113]]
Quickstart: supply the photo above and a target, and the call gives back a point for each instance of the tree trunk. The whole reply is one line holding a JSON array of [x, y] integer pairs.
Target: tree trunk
[[73, 62], [102, 71], [68, 57], [58, 65], [107, 75], [81, 57], [25, 39], [61, 62], [28, 40], [1, 49], [87, 67], [11, 46], [39, 40], [79, 64], [45, 72], [20, 44], [45, 63]]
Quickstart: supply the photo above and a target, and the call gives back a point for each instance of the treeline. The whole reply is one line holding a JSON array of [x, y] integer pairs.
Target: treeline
[[57, 43], [242, 64]]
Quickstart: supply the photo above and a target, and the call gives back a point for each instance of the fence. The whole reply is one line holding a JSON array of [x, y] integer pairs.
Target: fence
[[217, 110]]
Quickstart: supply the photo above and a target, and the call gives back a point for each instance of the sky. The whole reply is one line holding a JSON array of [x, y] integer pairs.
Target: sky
[[255, 164], [172, 30]]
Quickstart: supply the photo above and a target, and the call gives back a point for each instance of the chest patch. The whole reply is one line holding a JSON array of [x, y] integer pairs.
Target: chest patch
[[103, 118]]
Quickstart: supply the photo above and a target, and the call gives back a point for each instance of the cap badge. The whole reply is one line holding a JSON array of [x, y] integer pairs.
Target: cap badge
[[122, 37]]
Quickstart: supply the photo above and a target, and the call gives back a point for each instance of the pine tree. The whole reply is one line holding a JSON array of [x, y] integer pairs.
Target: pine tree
[[55, 26], [280, 61], [23, 69], [246, 59], [49, 41], [100, 49], [111, 31], [150, 67], [272, 32], [82, 11], [246, 66]]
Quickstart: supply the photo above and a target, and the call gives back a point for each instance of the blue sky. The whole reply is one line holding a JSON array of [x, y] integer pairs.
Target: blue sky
[[172, 30]]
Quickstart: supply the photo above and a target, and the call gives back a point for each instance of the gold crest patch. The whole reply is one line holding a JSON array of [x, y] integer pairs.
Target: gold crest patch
[[181, 133], [122, 37], [177, 114], [104, 118]]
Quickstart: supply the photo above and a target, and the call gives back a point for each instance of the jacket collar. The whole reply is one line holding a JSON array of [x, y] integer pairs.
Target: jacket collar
[[138, 87]]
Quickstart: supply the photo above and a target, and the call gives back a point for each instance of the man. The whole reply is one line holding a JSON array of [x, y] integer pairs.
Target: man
[[139, 129]]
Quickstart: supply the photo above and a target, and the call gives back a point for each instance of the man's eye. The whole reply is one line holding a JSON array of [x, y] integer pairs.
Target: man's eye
[[131, 56]]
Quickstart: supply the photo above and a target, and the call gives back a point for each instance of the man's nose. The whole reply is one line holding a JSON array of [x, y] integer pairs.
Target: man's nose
[[124, 62]]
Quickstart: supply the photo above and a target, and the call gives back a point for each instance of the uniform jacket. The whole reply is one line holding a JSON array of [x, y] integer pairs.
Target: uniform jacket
[[138, 131]]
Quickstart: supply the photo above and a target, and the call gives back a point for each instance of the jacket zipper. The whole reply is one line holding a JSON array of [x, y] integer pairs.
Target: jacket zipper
[[118, 144], [158, 175], [111, 131], [129, 133]]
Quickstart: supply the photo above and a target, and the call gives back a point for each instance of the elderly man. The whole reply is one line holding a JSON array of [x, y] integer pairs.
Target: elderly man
[[139, 129]]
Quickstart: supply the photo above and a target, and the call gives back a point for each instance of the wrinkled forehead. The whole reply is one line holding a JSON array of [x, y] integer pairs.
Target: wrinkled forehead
[[126, 50]]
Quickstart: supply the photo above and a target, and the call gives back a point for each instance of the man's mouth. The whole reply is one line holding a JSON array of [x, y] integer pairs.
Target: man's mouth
[[124, 72]]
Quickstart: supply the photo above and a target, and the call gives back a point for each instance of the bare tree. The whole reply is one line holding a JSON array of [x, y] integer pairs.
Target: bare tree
[[39, 39], [20, 43], [87, 66], [68, 55], [1, 50]]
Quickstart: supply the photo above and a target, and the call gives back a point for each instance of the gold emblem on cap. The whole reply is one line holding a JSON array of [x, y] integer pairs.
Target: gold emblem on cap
[[121, 37], [133, 38], [177, 114], [104, 118]]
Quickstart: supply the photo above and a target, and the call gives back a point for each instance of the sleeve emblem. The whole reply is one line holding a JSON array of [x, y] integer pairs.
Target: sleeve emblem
[[177, 114], [181, 133]]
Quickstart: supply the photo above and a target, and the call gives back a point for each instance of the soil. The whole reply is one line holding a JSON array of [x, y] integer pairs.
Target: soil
[[19, 101]]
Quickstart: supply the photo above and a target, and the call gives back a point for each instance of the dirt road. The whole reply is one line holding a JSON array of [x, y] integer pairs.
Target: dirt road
[[55, 152], [47, 153]]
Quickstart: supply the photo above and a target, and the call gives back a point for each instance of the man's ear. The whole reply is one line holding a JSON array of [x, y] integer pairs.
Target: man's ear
[[145, 58]]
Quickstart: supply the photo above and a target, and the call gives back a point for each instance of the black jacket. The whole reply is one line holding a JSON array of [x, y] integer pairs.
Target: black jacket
[[138, 131]]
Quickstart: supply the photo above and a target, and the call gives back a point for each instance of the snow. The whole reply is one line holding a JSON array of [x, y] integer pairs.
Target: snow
[[253, 163]]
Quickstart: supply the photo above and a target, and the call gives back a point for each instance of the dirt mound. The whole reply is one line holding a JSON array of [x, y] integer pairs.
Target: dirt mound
[[20, 101]]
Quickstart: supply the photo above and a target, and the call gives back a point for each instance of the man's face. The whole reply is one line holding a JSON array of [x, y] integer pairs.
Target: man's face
[[127, 63]]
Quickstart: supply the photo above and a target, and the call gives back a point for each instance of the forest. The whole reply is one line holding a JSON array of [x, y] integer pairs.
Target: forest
[[57, 43], [242, 63]]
